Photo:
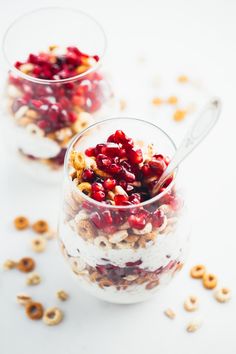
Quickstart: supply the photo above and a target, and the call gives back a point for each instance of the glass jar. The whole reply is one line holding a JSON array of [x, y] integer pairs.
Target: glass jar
[[55, 87], [112, 260]]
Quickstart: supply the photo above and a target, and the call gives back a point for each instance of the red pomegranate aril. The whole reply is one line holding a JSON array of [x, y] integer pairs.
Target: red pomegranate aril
[[107, 218], [43, 124], [128, 144], [135, 156], [98, 149], [117, 218], [135, 198], [111, 138], [137, 221], [127, 176], [36, 103], [146, 170], [123, 184], [88, 175], [96, 187], [72, 116], [158, 217], [103, 161], [97, 220], [168, 181], [90, 152], [111, 150], [119, 136], [114, 169], [120, 199], [109, 184], [157, 165]]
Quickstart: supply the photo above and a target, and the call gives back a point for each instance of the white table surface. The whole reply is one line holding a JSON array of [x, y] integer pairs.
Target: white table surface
[[148, 40]]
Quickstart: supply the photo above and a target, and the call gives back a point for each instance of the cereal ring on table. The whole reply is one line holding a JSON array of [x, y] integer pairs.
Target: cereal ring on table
[[52, 316], [62, 295], [78, 160], [102, 241], [38, 244], [85, 188], [152, 284], [209, 281], [86, 229], [198, 271], [9, 264], [40, 226], [21, 223], [222, 295], [191, 303], [26, 264], [34, 310], [23, 299], [33, 279]]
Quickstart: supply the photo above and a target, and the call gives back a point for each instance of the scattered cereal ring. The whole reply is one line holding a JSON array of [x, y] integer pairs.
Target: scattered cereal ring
[[40, 226], [52, 316], [23, 299], [222, 295], [26, 264], [179, 115], [62, 295], [38, 244], [172, 100], [183, 79], [191, 303], [157, 101], [21, 223], [34, 310], [33, 279], [9, 264], [85, 188], [209, 281], [170, 313], [198, 271], [194, 325]]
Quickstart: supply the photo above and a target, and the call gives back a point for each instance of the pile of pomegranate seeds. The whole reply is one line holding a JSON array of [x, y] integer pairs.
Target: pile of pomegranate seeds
[[124, 164], [129, 180]]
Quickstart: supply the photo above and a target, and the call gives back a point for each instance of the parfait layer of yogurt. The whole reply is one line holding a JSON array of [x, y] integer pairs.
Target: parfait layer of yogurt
[[122, 242]]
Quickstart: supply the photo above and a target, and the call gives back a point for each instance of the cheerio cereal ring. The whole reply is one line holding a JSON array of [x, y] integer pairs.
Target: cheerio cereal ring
[[38, 244], [198, 271], [26, 264], [40, 226], [209, 281], [85, 188], [34, 310], [77, 160], [223, 295], [52, 316], [21, 223]]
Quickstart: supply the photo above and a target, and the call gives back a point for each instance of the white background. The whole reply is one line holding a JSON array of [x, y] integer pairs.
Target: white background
[[147, 40]]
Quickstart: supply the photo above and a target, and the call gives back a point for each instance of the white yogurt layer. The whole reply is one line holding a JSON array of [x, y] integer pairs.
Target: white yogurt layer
[[167, 247], [37, 146]]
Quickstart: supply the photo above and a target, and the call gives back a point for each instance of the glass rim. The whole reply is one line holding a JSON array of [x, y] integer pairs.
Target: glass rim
[[47, 81], [118, 207]]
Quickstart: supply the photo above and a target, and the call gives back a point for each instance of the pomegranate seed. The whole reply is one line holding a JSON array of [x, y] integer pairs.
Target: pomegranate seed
[[107, 218], [96, 187], [111, 149], [97, 220], [36, 103], [157, 165], [103, 161], [109, 184], [135, 156], [119, 136], [168, 181], [158, 217], [90, 152], [128, 144], [127, 176], [117, 219], [114, 169], [146, 170], [135, 198], [98, 149], [137, 221], [88, 175], [120, 199]]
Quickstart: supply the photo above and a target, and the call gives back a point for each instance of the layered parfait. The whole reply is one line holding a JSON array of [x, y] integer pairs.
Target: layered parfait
[[122, 241], [51, 96]]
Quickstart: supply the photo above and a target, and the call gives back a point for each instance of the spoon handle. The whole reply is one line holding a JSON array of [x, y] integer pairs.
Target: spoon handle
[[198, 131]]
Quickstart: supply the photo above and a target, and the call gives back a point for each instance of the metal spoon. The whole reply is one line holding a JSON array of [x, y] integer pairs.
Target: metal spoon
[[199, 130]]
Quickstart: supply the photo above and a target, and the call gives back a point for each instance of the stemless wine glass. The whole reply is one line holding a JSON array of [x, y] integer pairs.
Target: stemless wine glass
[[55, 87], [114, 261]]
